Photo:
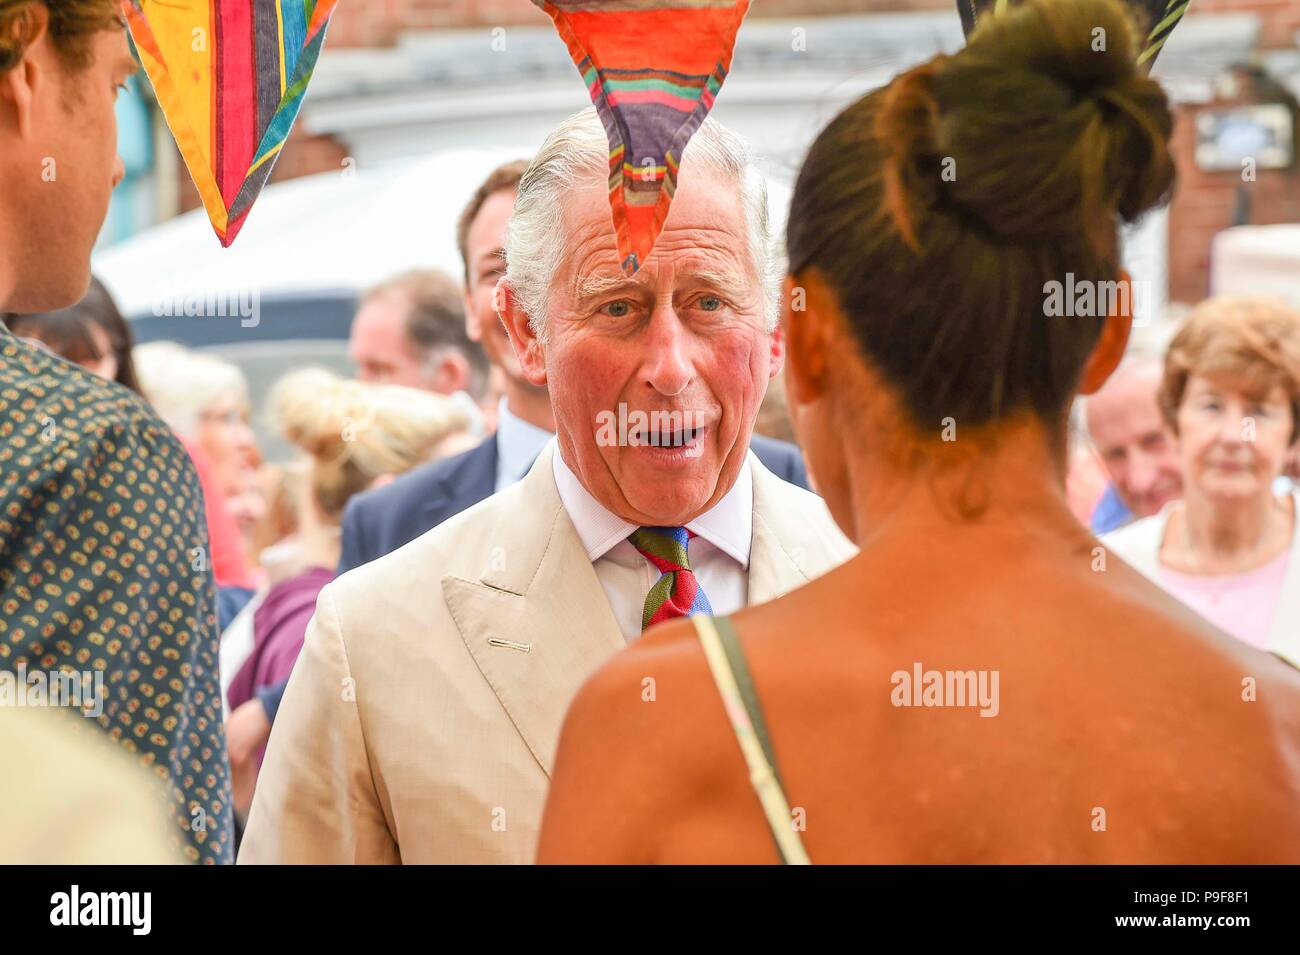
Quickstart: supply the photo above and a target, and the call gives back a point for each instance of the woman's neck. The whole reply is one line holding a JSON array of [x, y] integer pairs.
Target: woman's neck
[[320, 540], [981, 494], [1217, 536]]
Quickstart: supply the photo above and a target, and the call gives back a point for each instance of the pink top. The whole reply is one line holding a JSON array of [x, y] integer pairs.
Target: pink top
[[1239, 604]]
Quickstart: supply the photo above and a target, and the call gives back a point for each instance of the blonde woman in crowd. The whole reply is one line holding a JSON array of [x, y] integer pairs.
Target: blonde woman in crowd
[[1229, 550], [353, 436]]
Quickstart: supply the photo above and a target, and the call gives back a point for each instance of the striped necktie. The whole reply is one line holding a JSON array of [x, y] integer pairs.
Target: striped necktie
[[676, 593]]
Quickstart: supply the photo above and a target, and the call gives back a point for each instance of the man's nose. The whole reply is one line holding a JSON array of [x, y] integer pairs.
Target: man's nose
[[667, 361], [119, 171]]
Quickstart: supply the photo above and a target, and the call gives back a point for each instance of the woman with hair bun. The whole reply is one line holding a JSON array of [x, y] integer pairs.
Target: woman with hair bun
[[979, 684], [353, 436]]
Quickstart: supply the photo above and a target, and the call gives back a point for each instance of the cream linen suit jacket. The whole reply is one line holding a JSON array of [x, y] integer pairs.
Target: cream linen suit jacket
[[422, 717]]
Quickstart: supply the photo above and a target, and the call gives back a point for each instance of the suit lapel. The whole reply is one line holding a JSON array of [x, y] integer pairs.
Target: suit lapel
[[536, 621]]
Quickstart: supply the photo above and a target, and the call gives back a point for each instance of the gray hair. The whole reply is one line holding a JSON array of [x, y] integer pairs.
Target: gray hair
[[578, 148], [181, 383]]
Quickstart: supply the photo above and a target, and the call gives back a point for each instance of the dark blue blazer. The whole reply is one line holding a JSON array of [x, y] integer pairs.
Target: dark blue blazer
[[378, 522]]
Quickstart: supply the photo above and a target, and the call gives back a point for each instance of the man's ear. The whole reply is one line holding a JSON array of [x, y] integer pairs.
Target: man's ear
[[1109, 350], [777, 350], [19, 85], [528, 349], [450, 372], [804, 322]]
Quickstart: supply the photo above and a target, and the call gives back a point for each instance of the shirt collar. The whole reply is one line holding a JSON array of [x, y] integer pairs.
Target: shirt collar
[[728, 525], [518, 445]]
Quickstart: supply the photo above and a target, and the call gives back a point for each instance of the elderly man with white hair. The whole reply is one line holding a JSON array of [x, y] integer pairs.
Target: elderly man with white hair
[[421, 721], [1131, 437]]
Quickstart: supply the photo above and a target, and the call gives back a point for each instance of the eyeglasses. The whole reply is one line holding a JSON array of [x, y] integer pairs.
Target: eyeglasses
[[231, 419]]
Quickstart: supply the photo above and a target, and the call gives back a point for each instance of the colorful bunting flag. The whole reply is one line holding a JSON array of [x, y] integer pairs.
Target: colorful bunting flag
[[229, 76], [1158, 16], [653, 69]]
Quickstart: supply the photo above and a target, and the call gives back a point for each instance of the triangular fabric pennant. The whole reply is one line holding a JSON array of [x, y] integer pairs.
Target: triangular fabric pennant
[[653, 68], [229, 76], [1158, 17]]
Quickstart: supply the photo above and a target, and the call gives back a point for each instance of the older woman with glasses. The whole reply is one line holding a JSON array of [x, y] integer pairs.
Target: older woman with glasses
[[1229, 550]]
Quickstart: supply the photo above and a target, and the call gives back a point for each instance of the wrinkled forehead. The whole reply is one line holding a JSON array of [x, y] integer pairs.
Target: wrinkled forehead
[[1135, 379], [1125, 405], [706, 226]]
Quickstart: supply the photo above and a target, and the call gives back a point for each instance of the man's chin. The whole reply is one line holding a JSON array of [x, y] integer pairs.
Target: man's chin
[[64, 290], [669, 505], [1151, 504]]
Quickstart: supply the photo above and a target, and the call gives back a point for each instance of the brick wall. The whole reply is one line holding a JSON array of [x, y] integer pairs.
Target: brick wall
[[1206, 202], [1280, 19]]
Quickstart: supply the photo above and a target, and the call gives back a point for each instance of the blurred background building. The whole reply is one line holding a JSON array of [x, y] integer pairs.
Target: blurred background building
[[414, 100]]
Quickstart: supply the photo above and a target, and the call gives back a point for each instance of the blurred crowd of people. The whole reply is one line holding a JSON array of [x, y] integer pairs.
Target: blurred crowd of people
[[413, 549]]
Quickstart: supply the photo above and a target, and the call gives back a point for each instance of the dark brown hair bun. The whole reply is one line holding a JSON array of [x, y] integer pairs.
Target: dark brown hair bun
[[939, 207]]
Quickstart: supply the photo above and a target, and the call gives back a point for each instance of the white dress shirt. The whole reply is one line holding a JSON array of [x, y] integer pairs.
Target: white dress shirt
[[518, 445], [718, 554]]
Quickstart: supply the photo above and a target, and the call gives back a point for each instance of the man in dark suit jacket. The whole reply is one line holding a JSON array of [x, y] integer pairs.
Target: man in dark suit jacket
[[380, 521]]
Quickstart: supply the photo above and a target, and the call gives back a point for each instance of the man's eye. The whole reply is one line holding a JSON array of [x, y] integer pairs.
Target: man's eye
[[710, 303], [620, 309]]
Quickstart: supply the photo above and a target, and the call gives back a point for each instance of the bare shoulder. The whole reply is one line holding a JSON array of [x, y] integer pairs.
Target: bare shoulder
[[1210, 722], [658, 698], [658, 667], [648, 708], [623, 761]]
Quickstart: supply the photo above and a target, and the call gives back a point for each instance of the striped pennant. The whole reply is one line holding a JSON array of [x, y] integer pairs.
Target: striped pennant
[[1163, 15], [653, 69], [230, 76], [1173, 13]]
